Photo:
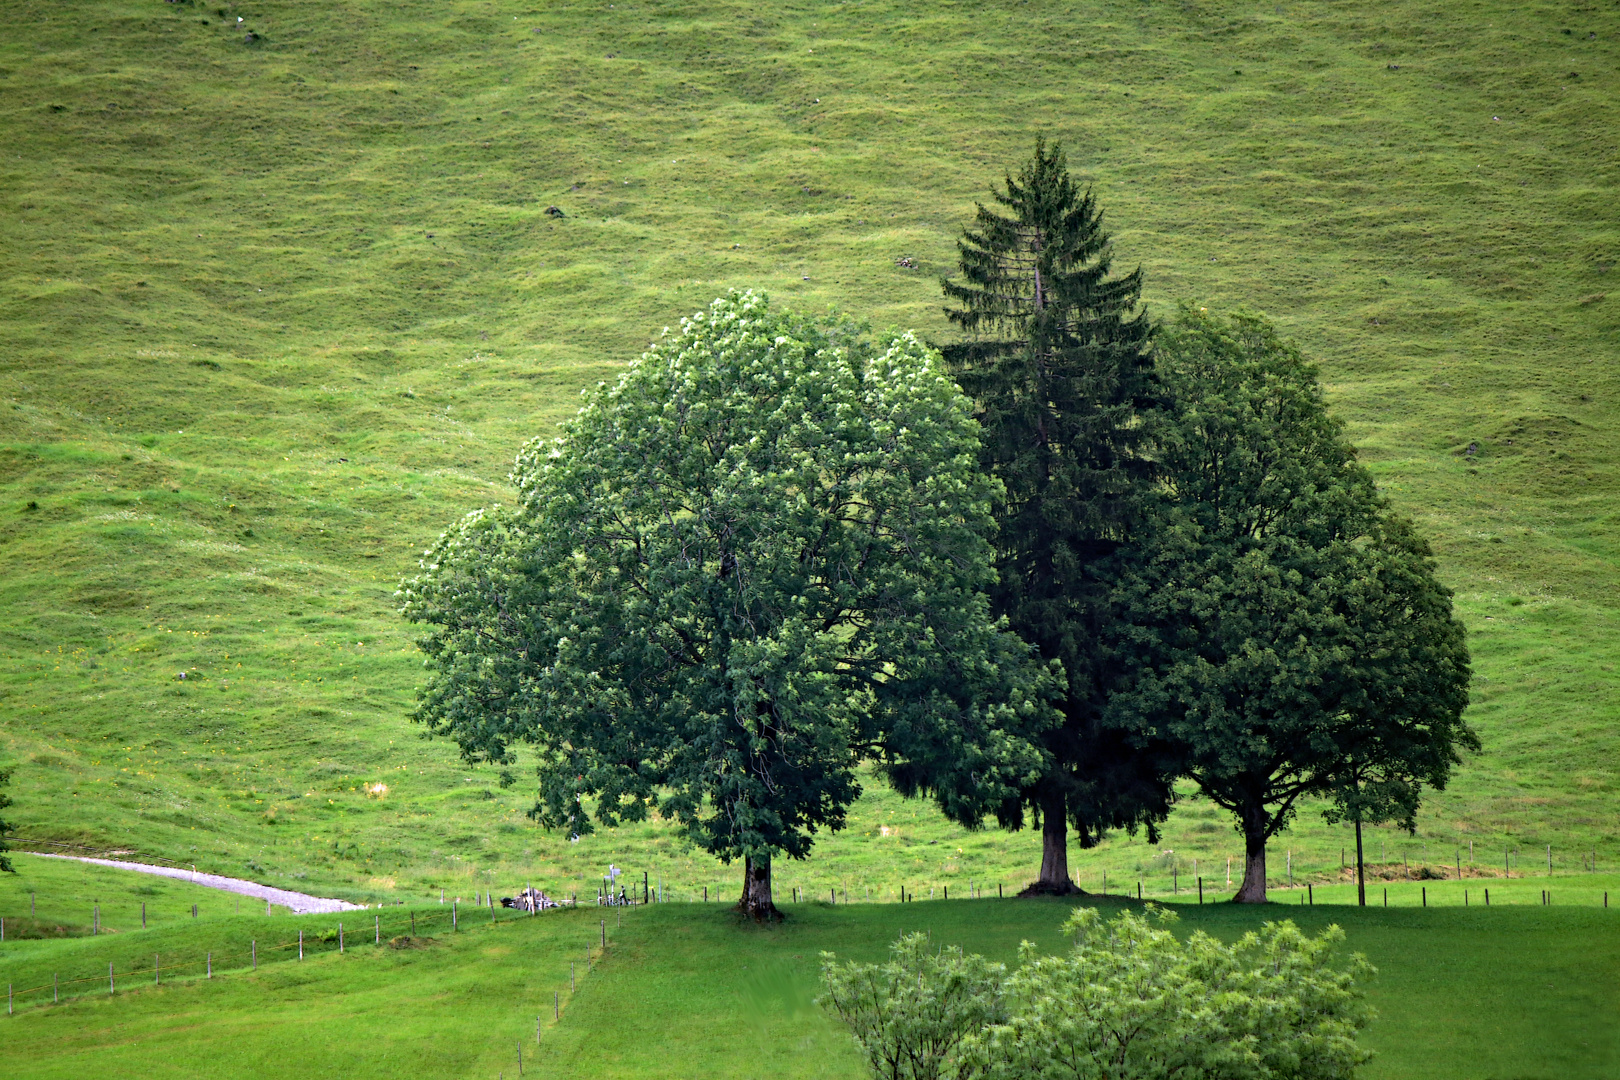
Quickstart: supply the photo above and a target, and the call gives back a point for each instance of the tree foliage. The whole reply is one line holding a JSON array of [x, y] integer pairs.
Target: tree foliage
[[5, 801], [1287, 624], [1129, 1001], [912, 1014], [756, 559], [1057, 360]]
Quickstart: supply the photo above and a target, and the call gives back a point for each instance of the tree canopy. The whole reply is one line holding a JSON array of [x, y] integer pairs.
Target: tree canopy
[[5, 801], [754, 560], [1057, 360], [1288, 627]]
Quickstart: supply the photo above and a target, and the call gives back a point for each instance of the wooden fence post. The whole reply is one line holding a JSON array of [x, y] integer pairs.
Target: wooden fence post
[[300, 944], [143, 914], [340, 937], [255, 944]]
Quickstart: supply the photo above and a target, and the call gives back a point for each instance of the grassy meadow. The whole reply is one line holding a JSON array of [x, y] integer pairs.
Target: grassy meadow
[[1518, 990], [281, 294]]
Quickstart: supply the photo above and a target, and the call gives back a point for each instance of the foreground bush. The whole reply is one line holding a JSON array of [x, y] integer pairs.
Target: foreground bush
[[1130, 1001], [912, 1014]]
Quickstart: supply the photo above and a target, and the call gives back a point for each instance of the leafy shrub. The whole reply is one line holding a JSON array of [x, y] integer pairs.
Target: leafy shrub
[[912, 1014], [1130, 1001]]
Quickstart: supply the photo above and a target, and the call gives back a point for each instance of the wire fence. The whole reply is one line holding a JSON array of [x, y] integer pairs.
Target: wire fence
[[395, 927]]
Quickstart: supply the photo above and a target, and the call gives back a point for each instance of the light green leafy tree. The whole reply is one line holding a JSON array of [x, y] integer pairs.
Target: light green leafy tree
[[1129, 1001], [911, 1015], [754, 561]]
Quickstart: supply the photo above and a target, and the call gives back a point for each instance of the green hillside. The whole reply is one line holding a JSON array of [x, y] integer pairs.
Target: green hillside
[[280, 296]]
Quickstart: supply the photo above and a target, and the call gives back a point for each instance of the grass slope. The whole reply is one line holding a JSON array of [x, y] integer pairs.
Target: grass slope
[[685, 991], [273, 312]]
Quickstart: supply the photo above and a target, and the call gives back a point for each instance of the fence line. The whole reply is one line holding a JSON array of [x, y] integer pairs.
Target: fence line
[[208, 966], [205, 965]]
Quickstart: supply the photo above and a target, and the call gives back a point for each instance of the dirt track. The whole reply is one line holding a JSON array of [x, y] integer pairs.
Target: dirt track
[[300, 903]]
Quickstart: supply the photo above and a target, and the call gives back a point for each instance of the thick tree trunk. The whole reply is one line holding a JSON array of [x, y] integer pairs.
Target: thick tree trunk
[[1253, 889], [1361, 876], [1054, 879], [756, 900]]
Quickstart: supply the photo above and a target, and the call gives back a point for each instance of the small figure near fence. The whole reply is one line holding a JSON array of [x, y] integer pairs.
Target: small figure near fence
[[531, 900], [611, 899]]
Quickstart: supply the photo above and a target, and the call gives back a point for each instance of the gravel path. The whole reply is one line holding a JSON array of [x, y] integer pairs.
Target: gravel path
[[299, 903]]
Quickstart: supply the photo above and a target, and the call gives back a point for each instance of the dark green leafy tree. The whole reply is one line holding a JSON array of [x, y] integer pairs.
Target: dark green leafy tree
[[754, 561], [1373, 790], [1390, 754], [5, 801], [1057, 359], [1291, 637]]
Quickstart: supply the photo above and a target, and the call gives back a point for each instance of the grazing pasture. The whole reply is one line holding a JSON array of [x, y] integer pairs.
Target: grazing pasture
[[1517, 990], [284, 287]]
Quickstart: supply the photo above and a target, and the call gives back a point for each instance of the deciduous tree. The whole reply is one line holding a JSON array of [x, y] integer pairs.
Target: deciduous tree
[[1291, 637], [1129, 1001], [5, 801], [754, 560], [912, 1014]]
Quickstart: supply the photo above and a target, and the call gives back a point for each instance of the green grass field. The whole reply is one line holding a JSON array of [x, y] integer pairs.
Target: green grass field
[[272, 314], [1517, 990]]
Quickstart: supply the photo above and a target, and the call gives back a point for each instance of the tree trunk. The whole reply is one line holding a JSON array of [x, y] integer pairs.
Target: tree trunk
[[1253, 889], [1361, 877], [756, 900], [1054, 879]]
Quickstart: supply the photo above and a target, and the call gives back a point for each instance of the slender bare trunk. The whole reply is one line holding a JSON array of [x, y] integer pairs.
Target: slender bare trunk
[[1361, 877], [756, 900], [1253, 889], [1054, 879]]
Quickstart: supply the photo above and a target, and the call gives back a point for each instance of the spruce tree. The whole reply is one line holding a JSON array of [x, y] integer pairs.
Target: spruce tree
[[1058, 360]]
